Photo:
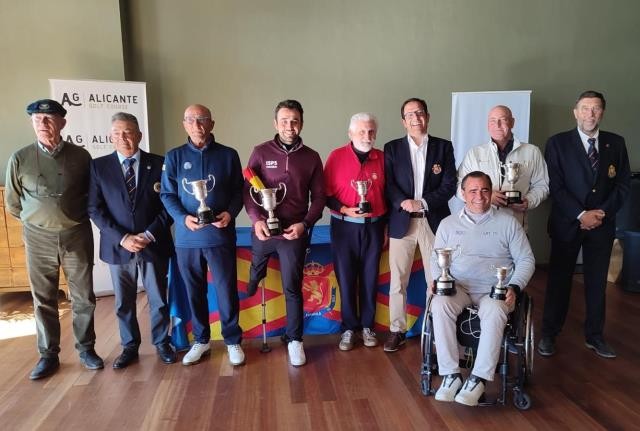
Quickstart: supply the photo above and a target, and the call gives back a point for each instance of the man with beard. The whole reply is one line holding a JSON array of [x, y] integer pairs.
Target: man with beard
[[357, 234]]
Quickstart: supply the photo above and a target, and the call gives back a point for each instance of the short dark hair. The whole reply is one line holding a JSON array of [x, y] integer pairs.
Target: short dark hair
[[592, 94], [414, 99], [294, 105], [125, 116], [476, 174]]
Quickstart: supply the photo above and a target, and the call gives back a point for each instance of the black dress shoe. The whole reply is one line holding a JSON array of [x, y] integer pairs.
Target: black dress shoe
[[44, 368], [601, 348], [127, 357], [547, 346], [90, 360], [166, 353]]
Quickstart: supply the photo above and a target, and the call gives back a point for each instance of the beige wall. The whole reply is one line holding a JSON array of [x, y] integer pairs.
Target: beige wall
[[339, 57], [51, 39]]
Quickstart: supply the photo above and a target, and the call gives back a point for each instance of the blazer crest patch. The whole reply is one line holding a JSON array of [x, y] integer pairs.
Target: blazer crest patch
[[436, 169], [156, 187], [611, 172]]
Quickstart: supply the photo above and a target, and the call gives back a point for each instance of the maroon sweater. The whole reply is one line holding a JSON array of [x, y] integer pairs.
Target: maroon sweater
[[300, 169]]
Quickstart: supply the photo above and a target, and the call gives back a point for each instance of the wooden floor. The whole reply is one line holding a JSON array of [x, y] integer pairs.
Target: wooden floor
[[363, 389]]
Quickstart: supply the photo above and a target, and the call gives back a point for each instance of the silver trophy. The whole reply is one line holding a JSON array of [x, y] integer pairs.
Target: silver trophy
[[499, 291], [445, 283], [362, 188], [269, 203], [200, 190], [510, 171]]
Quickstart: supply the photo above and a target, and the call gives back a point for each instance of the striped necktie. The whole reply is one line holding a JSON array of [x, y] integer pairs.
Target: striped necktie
[[130, 178], [592, 153]]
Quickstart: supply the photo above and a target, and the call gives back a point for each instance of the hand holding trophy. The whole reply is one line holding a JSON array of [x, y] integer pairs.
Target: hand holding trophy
[[200, 190], [268, 197]]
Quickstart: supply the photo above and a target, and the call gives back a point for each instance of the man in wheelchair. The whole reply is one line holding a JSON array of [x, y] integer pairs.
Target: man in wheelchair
[[486, 238]]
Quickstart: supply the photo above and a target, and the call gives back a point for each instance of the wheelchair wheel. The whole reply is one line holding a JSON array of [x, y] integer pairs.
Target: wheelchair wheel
[[428, 356], [529, 340], [521, 400]]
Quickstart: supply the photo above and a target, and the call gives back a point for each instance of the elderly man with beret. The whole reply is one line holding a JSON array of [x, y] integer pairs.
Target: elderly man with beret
[[47, 187]]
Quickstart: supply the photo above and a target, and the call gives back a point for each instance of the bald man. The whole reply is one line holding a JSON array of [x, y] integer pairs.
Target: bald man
[[504, 147], [202, 241]]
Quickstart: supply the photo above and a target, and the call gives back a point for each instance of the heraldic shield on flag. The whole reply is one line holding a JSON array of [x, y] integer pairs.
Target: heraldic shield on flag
[[321, 295]]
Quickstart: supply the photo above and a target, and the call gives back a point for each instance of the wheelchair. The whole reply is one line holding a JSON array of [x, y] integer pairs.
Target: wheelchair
[[517, 351]]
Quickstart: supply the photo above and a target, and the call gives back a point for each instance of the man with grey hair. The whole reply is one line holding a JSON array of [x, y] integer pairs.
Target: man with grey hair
[[357, 230], [135, 235], [46, 188]]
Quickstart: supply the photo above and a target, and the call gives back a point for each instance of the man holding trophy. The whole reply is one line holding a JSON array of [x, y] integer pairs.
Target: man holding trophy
[[354, 182], [488, 262], [517, 169], [201, 189], [284, 162]]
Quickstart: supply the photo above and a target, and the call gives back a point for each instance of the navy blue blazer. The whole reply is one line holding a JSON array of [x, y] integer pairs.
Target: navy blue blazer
[[575, 188], [439, 183], [112, 212]]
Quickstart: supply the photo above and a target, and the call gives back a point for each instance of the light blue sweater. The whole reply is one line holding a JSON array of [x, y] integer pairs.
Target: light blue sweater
[[497, 239]]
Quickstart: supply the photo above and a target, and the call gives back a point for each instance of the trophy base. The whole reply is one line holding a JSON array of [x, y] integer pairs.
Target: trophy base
[[364, 207], [445, 287], [206, 217], [274, 227], [513, 197], [498, 294]]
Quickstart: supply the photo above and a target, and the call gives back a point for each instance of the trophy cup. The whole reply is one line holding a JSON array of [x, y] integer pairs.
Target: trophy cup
[[510, 171], [499, 291], [445, 283], [362, 187], [269, 203], [199, 191]]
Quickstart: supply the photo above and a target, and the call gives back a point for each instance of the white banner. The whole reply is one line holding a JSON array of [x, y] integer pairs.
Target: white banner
[[469, 112], [90, 105]]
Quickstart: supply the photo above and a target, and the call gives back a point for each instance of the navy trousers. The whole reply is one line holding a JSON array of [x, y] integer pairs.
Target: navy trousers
[[193, 270], [356, 250], [125, 285], [291, 254], [596, 251]]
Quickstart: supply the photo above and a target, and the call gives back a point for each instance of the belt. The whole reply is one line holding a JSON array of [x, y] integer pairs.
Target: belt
[[418, 214], [361, 220]]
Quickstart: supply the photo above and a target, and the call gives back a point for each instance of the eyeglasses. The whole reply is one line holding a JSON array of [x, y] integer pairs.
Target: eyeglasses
[[414, 114], [199, 120]]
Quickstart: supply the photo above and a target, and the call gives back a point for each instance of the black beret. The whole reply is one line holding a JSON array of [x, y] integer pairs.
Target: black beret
[[46, 106]]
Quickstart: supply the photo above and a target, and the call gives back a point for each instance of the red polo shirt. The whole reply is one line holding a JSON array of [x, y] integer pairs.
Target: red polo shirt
[[343, 166]]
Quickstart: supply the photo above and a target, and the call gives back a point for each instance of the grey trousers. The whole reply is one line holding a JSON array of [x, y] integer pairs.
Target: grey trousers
[[493, 318], [73, 250]]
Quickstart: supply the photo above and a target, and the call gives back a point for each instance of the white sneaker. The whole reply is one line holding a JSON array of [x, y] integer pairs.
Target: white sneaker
[[471, 391], [236, 355], [449, 387], [369, 338], [296, 353], [196, 352], [346, 340]]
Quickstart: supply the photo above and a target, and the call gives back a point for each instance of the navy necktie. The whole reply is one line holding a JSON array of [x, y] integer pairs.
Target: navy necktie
[[130, 178], [592, 153]]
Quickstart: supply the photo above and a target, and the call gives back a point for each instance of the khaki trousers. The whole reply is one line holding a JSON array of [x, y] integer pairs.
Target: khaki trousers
[[401, 253]]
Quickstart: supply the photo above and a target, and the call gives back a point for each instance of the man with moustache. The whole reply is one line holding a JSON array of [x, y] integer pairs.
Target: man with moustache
[[135, 235], [420, 177], [357, 237], [212, 244], [487, 237], [285, 159], [589, 179], [504, 147], [46, 189]]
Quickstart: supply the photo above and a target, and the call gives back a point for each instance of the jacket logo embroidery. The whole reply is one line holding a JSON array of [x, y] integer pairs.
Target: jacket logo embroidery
[[271, 164], [436, 169], [612, 171]]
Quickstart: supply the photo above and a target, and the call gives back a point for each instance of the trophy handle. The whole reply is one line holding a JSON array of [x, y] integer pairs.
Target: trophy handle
[[251, 191], [282, 186], [353, 185], [213, 182], [184, 186]]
